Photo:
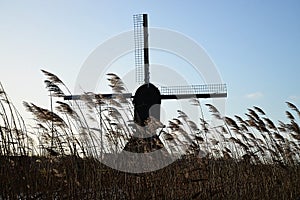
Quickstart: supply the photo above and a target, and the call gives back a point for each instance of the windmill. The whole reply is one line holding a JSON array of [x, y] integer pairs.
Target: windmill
[[147, 98]]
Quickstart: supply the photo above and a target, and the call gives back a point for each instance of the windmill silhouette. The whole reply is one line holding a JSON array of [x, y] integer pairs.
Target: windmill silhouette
[[147, 98]]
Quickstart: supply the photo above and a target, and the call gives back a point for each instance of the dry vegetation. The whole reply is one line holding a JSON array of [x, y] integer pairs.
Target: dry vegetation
[[56, 158]]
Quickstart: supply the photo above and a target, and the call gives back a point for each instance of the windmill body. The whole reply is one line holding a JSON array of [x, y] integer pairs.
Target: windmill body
[[147, 98], [146, 101]]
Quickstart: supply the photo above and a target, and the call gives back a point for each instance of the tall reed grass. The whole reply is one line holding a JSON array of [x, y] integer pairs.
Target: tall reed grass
[[245, 157]]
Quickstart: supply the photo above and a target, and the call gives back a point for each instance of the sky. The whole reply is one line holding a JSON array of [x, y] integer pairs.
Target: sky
[[255, 45]]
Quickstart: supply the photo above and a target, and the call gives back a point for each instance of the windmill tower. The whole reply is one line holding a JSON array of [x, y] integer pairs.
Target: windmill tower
[[147, 98]]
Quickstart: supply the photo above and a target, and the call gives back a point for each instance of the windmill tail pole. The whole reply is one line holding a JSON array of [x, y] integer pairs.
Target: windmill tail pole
[[146, 49]]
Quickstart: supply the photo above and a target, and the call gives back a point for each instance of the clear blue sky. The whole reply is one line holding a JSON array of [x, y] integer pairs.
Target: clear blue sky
[[255, 44]]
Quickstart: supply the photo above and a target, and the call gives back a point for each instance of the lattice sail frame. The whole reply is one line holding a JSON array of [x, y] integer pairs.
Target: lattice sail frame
[[194, 89], [139, 47]]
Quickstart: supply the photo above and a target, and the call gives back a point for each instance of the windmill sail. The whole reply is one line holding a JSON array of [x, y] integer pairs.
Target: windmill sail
[[193, 91], [141, 48]]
